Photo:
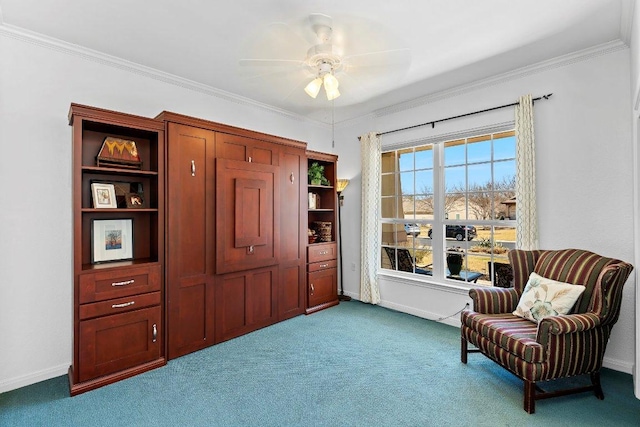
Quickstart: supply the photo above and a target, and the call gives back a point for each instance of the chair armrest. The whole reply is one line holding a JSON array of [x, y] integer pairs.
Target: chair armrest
[[494, 300], [566, 324]]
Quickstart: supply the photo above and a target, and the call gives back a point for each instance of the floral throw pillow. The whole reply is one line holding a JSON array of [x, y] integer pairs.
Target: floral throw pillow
[[545, 297]]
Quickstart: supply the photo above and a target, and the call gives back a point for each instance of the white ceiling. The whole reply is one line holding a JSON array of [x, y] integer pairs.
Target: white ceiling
[[442, 43]]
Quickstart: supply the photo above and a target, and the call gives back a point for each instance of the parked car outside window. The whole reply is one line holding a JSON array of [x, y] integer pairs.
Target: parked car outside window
[[459, 232], [412, 229]]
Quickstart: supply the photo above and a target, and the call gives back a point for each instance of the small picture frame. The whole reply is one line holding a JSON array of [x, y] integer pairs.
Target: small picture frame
[[111, 240], [135, 201], [104, 196]]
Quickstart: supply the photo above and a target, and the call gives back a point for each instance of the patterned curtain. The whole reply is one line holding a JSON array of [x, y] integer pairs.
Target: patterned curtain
[[526, 211], [370, 152]]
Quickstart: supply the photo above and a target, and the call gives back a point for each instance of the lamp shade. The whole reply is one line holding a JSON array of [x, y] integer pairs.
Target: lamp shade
[[331, 86], [313, 88], [341, 185]]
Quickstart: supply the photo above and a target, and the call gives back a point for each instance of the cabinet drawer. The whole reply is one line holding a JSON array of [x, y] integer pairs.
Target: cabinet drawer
[[119, 282], [119, 305], [323, 252], [110, 344], [317, 266]]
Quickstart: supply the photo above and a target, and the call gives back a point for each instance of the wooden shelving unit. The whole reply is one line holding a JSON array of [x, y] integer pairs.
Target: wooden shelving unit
[[118, 307]]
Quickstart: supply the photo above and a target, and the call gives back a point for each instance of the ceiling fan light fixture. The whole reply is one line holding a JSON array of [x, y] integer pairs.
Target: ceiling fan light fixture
[[313, 88], [331, 86], [333, 94]]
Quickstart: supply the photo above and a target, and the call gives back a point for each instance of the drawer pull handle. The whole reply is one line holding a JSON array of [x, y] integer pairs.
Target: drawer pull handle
[[155, 333], [250, 159], [323, 252], [124, 304], [193, 168], [292, 178], [324, 265], [313, 289], [126, 282]]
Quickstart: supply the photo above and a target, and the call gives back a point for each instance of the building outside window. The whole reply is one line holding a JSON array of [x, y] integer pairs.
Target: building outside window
[[447, 209]]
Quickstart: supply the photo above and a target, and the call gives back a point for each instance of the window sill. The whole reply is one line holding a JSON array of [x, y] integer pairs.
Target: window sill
[[425, 282]]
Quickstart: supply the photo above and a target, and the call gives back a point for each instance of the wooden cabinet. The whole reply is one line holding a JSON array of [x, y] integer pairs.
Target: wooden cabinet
[[322, 291], [236, 230], [118, 299]]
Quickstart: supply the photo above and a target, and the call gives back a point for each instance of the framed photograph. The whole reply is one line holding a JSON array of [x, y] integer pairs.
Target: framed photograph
[[135, 200], [111, 240], [104, 196]]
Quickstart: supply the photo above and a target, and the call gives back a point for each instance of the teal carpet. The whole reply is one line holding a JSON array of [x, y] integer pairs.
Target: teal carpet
[[351, 365]]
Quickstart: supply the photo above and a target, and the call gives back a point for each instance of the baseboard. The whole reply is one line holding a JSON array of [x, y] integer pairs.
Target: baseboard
[[451, 321], [32, 378], [617, 365]]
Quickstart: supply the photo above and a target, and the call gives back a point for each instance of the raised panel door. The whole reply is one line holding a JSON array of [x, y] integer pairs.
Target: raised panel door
[[190, 239], [293, 232], [114, 343], [322, 287]]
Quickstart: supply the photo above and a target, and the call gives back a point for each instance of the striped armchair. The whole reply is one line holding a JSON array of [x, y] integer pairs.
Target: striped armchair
[[559, 346]]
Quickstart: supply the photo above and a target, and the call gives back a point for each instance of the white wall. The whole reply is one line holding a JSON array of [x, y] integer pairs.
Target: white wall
[[38, 81], [584, 171], [635, 103]]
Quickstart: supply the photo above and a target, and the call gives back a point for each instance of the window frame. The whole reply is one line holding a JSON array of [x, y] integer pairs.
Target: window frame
[[438, 241]]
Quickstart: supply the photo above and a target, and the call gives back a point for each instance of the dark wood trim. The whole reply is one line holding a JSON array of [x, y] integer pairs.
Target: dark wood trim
[[82, 387], [113, 117], [219, 127], [326, 157]]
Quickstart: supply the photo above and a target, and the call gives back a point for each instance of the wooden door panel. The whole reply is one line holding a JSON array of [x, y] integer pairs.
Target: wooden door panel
[[257, 246], [232, 312], [260, 298], [245, 302], [251, 212], [292, 214], [242, 148], [322, 286], [190, 239], [114, 343], [291, 297]]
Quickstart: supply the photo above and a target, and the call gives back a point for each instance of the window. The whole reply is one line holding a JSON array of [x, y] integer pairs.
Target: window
[[448, 209]]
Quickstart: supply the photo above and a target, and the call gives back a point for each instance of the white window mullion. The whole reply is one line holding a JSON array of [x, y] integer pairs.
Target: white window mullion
[[438, 239]]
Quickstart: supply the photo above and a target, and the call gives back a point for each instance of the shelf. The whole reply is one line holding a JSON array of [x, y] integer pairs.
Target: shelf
[[320, 210], [118, 264], [117, 210], [328, 187], [117, 171]]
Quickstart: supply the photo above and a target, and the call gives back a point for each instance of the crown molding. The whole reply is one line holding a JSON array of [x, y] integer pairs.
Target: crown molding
[[626, 20], [543, 66], [122, 64]]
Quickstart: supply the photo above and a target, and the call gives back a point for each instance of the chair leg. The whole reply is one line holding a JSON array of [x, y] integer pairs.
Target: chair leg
[[597, 388], [463, 350], [529, 396]]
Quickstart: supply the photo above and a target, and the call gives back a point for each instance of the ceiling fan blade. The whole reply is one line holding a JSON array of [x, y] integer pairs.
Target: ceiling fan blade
[[384, 58], [270, 62], [277, 42]]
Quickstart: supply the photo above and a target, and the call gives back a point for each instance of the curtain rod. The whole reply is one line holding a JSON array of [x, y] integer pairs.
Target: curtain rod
[[433, 123]]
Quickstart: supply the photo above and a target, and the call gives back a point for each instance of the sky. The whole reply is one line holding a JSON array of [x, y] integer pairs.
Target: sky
[[478, 172]]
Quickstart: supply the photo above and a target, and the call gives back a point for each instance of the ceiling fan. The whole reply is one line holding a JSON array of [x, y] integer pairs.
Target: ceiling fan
[[351, 58]]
